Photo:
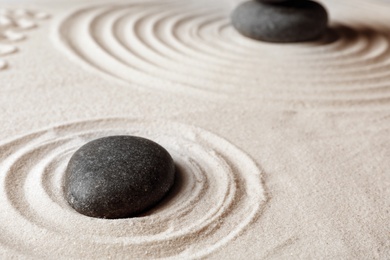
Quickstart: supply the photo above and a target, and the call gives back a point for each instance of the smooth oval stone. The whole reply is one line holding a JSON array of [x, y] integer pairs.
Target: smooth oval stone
[[293, 21], [118, 176]]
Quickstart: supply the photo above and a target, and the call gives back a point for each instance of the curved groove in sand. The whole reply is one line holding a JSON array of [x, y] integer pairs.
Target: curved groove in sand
[[218, 193], [191, 48]]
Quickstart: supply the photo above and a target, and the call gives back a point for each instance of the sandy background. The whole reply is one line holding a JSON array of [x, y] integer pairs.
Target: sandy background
[[313, 126]]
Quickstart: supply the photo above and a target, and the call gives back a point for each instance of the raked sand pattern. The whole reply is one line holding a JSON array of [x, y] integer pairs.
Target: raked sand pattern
[[190, 47], [14, 25], [319, 199], [218, 192]]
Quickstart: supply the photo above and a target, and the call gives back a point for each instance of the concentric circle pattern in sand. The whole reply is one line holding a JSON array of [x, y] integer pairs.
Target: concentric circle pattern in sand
[[190, 47], [218, 192]]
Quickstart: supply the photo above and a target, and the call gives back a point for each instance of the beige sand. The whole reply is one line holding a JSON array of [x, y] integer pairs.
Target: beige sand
[[282, 149]]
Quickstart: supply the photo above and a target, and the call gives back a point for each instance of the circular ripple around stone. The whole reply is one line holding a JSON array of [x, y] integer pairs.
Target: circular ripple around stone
[[190, 47], [217, 194]]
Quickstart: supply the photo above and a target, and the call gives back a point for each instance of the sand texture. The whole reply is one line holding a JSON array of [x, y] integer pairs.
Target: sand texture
[[282, 150]]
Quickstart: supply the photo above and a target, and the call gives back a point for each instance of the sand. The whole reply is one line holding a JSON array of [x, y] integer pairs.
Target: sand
[[282, 149]]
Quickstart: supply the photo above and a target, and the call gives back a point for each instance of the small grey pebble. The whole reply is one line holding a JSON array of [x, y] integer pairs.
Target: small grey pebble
[[118, 176], [292, 21]]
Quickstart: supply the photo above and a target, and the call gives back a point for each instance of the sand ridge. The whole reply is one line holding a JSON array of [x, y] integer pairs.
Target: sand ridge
[[14, 25]]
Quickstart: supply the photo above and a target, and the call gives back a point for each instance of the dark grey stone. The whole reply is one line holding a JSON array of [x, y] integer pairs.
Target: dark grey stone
[[118, 176], [293, 21]]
